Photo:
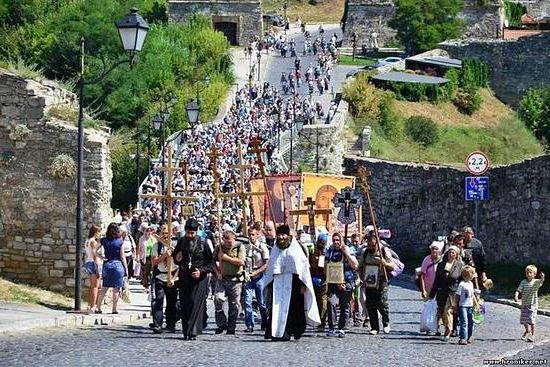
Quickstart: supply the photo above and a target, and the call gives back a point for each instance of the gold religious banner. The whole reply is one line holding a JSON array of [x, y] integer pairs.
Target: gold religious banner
[[322, 188], [169, 198], [259, 203], [335, 272], [311, 212]]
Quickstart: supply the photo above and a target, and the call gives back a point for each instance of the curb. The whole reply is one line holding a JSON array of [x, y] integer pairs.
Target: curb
[[69, 321]]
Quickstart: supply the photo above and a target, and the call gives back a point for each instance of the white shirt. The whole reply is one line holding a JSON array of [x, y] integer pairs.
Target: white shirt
[[466, 292]]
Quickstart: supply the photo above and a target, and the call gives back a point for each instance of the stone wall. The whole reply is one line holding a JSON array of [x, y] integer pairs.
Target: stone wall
[[364, 17], [514, 65], [536, 8], [482, 21], [247, 14], [37, 193], [332, 143], [418, 202]]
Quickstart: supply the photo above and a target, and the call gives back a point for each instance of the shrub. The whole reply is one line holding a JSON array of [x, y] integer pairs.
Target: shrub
[[513, 13], [388, 120], [363, 97], [422, 130], [452, 85], [474, 74], [534, 111], [467, 101]]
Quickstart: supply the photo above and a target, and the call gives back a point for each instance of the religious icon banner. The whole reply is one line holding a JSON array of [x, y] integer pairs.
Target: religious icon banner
[[258, 203], [322, 188], [285, 196], [335, 272]]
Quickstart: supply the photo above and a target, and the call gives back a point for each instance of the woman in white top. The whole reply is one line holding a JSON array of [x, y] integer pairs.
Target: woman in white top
[[93, 266], [129, 247]]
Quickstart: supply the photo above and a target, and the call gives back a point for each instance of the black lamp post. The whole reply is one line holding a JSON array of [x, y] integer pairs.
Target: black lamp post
[[132, 30]]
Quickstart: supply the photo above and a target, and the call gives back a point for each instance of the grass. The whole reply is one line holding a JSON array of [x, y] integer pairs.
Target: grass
[[19, 67], [359, 60], [328, 11], [20, 293]]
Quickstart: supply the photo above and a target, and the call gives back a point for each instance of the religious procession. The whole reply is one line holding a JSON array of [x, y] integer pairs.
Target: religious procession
[[221, 218]]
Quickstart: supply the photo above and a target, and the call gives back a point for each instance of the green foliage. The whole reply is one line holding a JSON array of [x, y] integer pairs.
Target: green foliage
[[421, 130], [474, 74], [534, 111], [363, 97], [452, 85], [507, 142], [467, 100], [390, 124], [422, 24], [20, 67], [513, 12], [415, 92]]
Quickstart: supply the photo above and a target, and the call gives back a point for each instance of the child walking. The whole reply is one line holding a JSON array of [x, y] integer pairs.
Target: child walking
[[529, 289], [466, 293]]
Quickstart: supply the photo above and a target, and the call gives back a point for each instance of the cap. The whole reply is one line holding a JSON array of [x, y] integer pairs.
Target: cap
[[437, 244]]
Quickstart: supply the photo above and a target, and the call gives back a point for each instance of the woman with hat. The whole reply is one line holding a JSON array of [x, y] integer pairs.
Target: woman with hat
[[429, 267], [444, 288]]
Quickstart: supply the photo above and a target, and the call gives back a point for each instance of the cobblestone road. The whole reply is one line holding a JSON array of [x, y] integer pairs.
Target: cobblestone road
[[135, 345]]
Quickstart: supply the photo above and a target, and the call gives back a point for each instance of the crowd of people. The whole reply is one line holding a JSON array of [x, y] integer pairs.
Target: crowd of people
[[338, 282]]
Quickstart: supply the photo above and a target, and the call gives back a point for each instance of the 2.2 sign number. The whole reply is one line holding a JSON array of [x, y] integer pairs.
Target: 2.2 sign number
[[477, 163]]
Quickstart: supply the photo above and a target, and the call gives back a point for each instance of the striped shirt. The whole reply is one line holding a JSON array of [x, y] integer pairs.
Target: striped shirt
[[529, 292]]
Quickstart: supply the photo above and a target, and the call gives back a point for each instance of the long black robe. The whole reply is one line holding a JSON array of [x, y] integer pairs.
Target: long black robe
[[196, 254], [296, 320]]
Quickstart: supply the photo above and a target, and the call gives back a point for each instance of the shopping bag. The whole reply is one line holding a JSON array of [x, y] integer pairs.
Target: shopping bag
[[479, 311], [126, 292], [428, 318]]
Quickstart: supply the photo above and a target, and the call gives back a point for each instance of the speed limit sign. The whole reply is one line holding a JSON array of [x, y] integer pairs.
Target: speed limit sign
[[477, 163]]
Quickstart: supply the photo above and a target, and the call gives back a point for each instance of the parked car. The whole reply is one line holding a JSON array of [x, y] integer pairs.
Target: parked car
[[274, 20], [380, 63]]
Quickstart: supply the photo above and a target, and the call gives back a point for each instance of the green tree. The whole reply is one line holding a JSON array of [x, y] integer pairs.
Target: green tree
[[534, 111], [422, 130], [422, 24]]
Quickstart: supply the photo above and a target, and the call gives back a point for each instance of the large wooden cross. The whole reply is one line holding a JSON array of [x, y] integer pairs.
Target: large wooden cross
[[311, 212], [242, 194], [169, 199], [256, 144], [363, 175]]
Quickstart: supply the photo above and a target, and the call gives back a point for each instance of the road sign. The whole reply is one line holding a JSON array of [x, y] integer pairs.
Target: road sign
[[477, 163], [476, 188]]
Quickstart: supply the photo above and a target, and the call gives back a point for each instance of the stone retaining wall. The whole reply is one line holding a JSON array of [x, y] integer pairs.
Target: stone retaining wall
[[38, 196], [514, 65], [419, 202]]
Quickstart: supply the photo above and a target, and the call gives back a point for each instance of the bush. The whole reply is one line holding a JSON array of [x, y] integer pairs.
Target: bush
[[467, 101], [513, 13], [474, 74], [422, 130], [363, 97], [388, 120], [534, 111], [452, 85]]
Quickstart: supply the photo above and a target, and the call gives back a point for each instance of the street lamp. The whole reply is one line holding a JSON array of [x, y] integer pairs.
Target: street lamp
[[193, 109], [132, 30], [259, 56]]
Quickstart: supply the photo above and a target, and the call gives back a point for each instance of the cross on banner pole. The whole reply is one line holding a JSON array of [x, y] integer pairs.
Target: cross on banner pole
[[168, 199], [242, 194], [259, 161], [311, 213], [363, 173], [347, 201]]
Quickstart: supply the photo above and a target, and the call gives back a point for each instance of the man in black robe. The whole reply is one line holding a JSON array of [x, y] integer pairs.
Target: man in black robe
[[195, 261], [289, 290]]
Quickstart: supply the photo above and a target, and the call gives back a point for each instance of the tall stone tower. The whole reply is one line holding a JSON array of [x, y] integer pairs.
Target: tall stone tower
[[239, 20], [368, 19]]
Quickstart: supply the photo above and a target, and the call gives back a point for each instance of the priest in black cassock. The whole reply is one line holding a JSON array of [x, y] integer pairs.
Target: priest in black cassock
[[289, 289], [195, 261]]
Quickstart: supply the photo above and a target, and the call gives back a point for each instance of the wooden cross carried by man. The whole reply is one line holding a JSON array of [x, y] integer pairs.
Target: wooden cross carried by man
[[169, 199], [311, 212], [347, 201], [256, 149], [242, 194]]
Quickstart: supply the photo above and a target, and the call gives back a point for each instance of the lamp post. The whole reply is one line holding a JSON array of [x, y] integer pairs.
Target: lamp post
[[132, 30], [259, 56]]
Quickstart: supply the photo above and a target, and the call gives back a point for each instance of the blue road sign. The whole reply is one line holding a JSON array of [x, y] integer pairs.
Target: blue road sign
[[476, 188]]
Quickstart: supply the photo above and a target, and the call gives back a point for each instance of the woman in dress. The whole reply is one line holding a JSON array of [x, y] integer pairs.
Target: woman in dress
[[114, 267], [92, 265]]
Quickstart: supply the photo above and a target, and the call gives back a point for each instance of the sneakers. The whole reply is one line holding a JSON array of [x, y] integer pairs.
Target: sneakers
[[387, 329], [530, 338], [524, 337], [446, 339], [340, 333], [469, 341], [332, 333], [462, 342], [366, 322], [249, 330], [220, 330], [373, 332], [157, 330]]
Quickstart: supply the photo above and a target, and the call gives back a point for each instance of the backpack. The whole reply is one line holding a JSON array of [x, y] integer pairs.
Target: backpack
[[398, 266]]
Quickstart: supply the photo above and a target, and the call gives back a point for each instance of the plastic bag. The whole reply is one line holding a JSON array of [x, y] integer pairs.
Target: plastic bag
[[479, 311], [126, 292], [428, 319]]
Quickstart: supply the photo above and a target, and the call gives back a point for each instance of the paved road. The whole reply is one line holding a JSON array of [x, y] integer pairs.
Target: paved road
[[277, 64], [134, 344]]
